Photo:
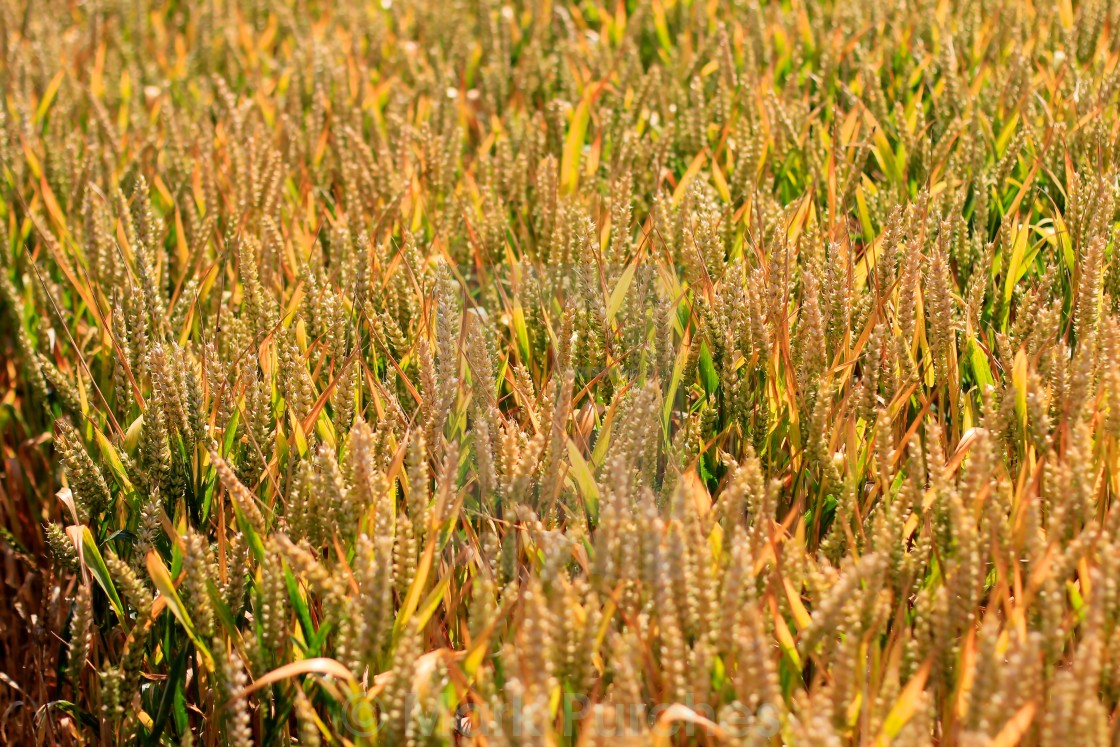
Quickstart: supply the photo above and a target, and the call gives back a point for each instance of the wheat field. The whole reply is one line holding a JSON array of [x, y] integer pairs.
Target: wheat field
[[543, 372]]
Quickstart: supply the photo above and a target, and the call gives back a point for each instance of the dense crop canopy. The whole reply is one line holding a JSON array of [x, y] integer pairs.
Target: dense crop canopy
[[554, 372]]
